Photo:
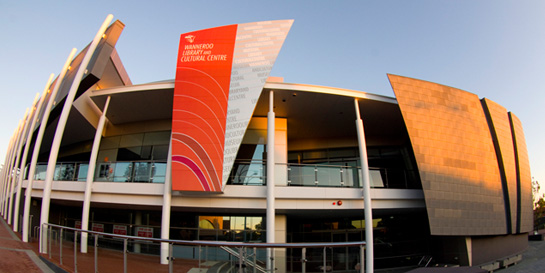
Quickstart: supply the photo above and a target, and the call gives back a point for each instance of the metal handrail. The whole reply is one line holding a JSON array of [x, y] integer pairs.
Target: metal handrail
[[221, 244], [215, 243]]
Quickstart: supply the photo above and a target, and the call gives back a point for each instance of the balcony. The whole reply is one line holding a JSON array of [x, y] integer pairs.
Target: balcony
[[317, 175], [131, 171], [244, 173]]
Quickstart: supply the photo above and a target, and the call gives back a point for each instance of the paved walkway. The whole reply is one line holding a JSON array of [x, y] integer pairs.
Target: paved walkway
[[533, 260], [16, 256]]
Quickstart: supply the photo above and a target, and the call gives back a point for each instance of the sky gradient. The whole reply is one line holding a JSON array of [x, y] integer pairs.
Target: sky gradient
[[495, 49]]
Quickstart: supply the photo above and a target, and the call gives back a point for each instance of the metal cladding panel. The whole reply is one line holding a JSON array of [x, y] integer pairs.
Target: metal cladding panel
[[499, 123], [96, 65], [455, 157], [524, 176], [220, 74]]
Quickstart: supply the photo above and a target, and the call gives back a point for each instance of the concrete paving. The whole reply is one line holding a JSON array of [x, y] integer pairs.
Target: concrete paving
[[533, 260]]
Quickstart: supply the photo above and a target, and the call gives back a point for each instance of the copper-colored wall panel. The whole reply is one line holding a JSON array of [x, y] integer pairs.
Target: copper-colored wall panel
[[502, 130], [455, 156], [526, 210]]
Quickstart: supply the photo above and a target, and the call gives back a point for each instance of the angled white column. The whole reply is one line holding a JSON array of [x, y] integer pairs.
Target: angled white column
[[38, 143], [9, 171], [91, 176], [367, 209], [34, 114], [46, 199], [27, 148], [15, 162], [271, 211], [5, 168], [167, 198], [5, 173]]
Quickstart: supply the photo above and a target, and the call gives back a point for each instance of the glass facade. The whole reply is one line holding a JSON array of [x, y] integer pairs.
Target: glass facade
[[401, 239]]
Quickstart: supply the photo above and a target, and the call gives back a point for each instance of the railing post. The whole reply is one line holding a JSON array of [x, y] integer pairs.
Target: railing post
[[387, 178], [96, 253], [125, 255], [316, 175], [75, 251], [289, 175], [324, 266], [341, 172], [255, 259], [170, 259], [240, 260], [304, 260], [49, 229], [60, 247], [362, 259], [199, 256]]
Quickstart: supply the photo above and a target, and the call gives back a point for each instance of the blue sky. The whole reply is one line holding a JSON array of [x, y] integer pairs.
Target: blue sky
[[495, 49]]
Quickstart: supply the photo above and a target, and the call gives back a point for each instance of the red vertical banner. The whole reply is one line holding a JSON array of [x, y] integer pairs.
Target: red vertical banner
[[201, 93]]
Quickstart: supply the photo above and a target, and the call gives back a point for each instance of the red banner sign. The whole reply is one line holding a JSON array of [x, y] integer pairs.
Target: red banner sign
[[220, 73]]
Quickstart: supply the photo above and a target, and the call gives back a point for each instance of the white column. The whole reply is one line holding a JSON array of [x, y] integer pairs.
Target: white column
[[9, 171], [36, 112], [19, 176], [5, 168], [27, 146], [38, 144], [271, 212], [13, 168], [5, 172], [91, 176], [167, 198], [46, 199], [137, 223], [367, 209]]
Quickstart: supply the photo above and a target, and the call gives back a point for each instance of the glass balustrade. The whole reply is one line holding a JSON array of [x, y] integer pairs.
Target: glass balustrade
[[132, 171], [316, 175], [244, 173]]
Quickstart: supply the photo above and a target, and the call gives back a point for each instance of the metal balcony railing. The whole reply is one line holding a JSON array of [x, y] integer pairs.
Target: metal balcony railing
[[320, 175], [62, 246], [130, 171], [244, 173]]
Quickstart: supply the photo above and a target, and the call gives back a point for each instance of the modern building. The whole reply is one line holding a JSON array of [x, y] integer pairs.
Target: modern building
[[448, 171]]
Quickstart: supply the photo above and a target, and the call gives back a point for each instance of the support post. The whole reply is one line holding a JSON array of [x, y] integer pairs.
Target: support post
[[12, 169], [25, 152], [91, 176], [368, 214], [271, 212], [53, 154], [38, 144], [167, 199], [6, 171]]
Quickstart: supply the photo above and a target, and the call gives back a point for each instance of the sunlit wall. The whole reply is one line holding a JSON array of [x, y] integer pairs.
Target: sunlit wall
[[460, 146]]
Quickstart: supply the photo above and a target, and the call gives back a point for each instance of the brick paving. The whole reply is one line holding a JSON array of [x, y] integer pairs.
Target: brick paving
[[16, 256]]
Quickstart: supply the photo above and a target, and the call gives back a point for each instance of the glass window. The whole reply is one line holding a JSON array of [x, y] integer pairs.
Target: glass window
[[160, 152], [128, 154], [131, 140]]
